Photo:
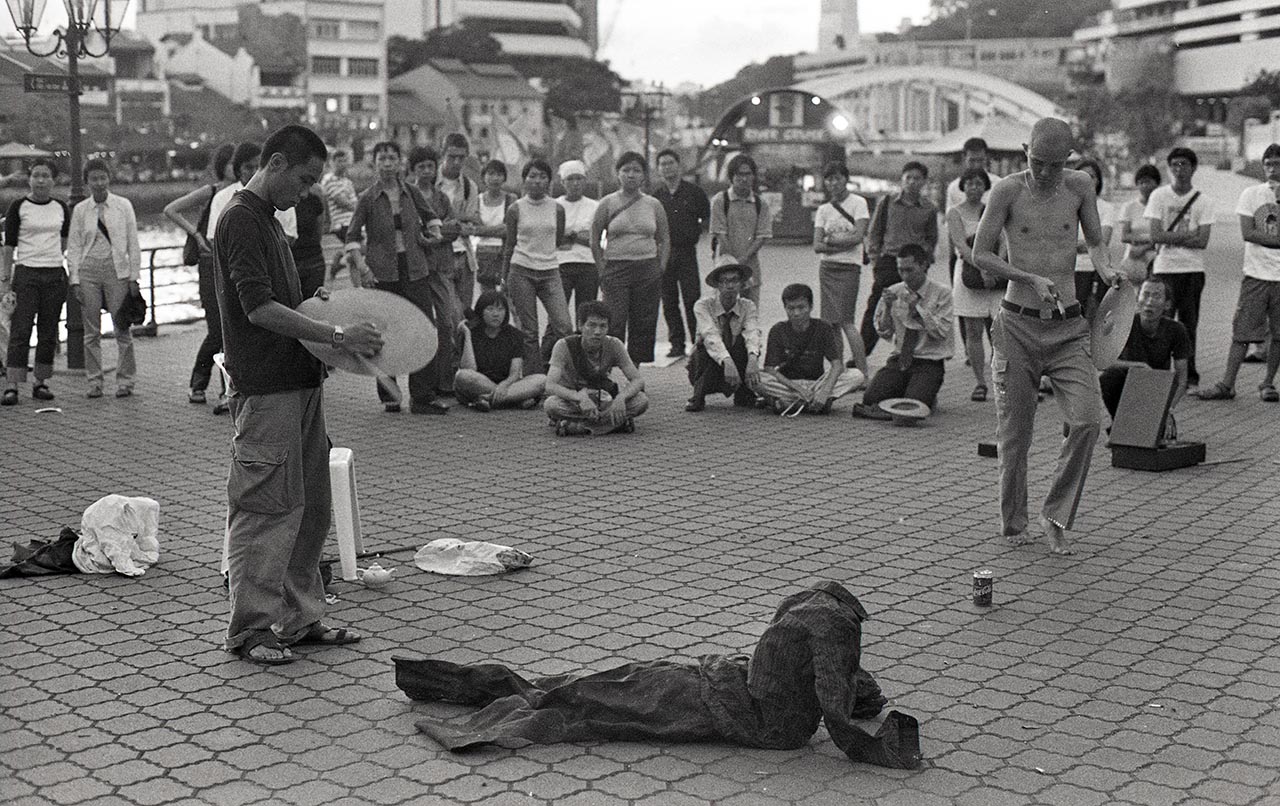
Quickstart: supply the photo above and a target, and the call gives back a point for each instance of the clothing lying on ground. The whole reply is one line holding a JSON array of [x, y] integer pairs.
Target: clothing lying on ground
[[42, 558], [805, 669]]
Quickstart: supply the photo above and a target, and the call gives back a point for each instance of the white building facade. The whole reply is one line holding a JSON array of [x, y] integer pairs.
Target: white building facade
[[1217, 46], [342, 84]]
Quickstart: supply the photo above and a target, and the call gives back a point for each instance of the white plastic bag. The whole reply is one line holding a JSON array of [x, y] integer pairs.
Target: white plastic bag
[[118, 534], [455, 557]]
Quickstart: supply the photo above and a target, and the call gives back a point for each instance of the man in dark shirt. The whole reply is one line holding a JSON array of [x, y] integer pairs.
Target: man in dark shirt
[[688, 212], [805, 670], [278, 496], [899, 219], [1155, 341], [795, 377]]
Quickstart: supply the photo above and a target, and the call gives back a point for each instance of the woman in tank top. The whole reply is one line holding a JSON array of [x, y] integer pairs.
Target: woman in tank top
[[191, 213], [535, 229], [494, 203], [630, 243]]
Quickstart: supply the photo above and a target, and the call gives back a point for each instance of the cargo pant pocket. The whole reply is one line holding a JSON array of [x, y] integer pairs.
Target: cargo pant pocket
[[259, 479]]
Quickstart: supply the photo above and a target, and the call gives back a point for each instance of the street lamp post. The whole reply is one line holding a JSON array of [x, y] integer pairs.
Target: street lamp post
[[72, 41]]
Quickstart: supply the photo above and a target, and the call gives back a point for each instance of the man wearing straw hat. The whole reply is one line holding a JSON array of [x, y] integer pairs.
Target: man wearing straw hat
[[278, 496], [726, 354]]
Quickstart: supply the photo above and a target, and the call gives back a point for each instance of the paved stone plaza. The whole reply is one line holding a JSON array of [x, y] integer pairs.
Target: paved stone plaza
[[1144, 670]]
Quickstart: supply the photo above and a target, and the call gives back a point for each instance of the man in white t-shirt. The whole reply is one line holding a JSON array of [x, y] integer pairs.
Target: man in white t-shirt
[[1180, 218], [1258, 312], [839, 226]]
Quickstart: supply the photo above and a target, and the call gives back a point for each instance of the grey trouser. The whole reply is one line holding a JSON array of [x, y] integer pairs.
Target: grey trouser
[[101, 290], [1023, 349], [278, 504]]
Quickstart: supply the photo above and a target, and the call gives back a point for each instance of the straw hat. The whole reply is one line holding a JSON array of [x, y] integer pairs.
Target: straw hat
[[725, 263]]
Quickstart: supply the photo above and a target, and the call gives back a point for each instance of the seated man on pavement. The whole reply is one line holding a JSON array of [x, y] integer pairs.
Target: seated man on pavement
[[492, 366], [582, 400], [794, 377], [917, 315], [1155, 341], [726, 355]]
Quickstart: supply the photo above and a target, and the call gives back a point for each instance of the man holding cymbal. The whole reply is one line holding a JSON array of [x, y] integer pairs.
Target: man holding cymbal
[[278, 496]]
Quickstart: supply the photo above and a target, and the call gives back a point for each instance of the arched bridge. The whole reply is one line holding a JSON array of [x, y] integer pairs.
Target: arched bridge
[[896, 108]]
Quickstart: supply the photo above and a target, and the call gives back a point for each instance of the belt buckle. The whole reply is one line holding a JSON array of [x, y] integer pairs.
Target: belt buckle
[[1045, 314]]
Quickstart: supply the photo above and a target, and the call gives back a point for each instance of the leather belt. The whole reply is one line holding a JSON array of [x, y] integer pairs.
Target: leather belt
[[1070, 312]]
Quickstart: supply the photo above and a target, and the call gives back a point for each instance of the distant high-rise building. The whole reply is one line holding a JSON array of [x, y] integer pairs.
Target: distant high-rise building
[[1214, 48], [523, 27], [838, 25]]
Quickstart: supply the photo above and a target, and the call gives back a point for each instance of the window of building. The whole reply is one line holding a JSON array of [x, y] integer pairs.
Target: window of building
[[326, 65], [227, 31], [362, 67], [362, 103], [364, 29], [330, 104], [326, 29], [276, 79]]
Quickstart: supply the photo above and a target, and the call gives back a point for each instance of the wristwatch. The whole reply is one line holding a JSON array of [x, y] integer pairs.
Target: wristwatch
[[338, 336]]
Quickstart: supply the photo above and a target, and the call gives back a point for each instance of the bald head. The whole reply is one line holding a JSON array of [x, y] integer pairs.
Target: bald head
[[1051, 139]]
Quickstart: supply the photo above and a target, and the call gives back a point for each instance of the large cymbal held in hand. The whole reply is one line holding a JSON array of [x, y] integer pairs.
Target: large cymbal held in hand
[[409, 338], [1112, 323]]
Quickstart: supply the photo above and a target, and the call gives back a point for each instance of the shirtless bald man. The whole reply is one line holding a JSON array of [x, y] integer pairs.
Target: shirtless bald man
[[1041, 329]]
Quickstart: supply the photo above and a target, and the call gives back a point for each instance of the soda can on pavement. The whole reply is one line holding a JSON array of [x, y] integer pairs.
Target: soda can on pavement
[[983, 583]]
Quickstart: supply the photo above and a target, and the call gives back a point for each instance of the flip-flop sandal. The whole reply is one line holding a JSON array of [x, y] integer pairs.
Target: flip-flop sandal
[[327, 636], [41, 392], [793, 410], [979, 394], [9, 398], [268, 640], [1268, 393]]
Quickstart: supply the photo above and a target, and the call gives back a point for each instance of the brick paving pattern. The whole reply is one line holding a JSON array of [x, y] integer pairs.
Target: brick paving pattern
[[1142, 671]]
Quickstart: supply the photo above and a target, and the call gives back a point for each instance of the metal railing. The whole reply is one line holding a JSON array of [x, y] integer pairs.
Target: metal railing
[[177, 284]]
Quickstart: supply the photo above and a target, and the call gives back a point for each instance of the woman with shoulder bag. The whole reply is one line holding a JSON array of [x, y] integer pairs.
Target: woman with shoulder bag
[[977, 296], [490, 235], [631, 267], [198, 252]]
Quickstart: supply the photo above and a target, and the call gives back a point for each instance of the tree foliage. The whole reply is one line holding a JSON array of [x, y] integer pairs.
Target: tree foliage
[[459, 41], [576, 85], [1146, 116], [1003, 19], [1265, 84], [778, 71]]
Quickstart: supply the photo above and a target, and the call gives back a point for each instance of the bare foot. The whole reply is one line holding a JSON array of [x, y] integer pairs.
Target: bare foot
[[1020, 539], [1058, 542]]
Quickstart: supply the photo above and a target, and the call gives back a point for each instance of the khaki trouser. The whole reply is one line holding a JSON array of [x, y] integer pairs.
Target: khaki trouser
[[848, 381], [278, 505], [101, 290], [1023, 349]]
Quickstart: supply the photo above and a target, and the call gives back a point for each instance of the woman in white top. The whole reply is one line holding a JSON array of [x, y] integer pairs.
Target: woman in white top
[[1135, 229], [1089, 287], [577, 265], [493, 204], [193, 213], [535, 230], [976, 306], [35, 238], [631, 266]]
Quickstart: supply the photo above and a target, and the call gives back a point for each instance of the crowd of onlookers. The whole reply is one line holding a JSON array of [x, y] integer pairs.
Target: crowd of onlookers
[[601, 270]]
